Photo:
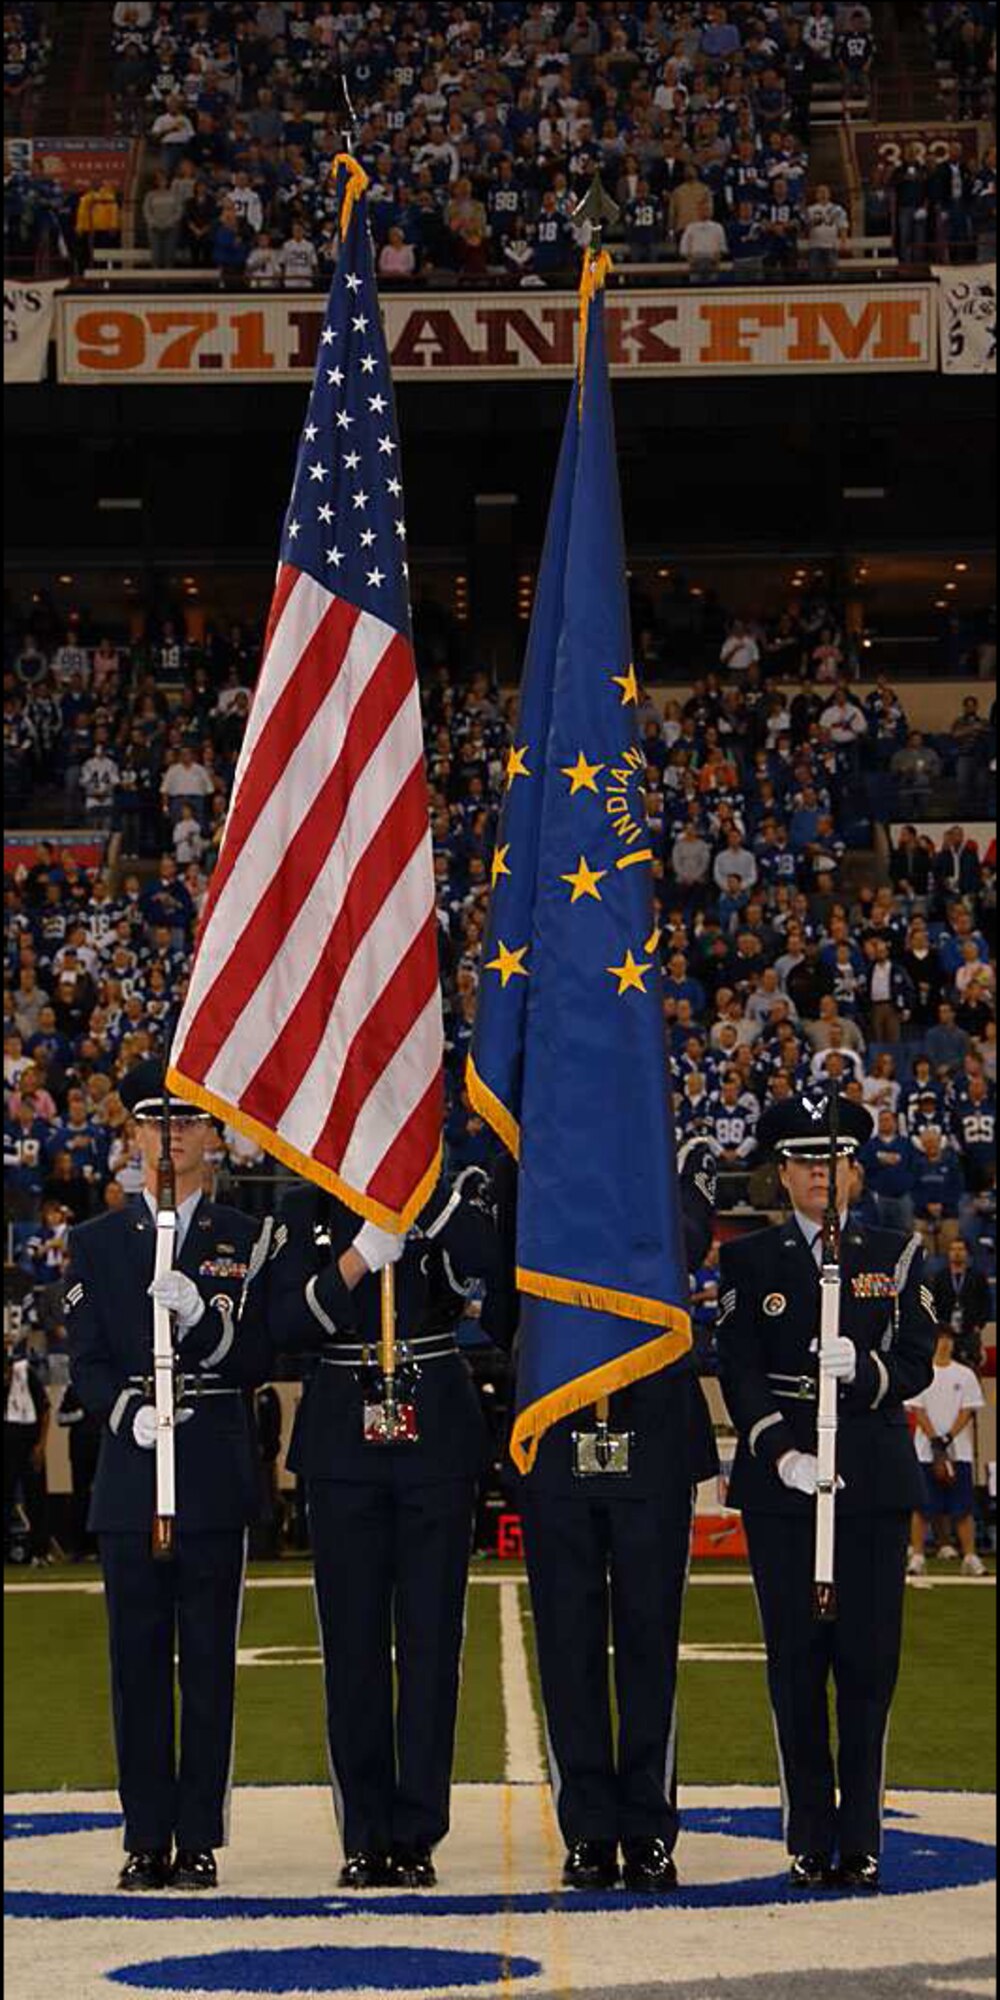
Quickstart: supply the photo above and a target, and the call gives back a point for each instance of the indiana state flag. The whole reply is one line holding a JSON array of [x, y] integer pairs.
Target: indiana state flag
[[569, 1062]]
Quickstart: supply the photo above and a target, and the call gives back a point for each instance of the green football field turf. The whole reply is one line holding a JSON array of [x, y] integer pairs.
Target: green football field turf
[[57, 1730]]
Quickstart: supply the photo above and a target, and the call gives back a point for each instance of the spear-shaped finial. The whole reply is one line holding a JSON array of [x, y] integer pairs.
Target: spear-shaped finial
[[348, 116], [598, 209]]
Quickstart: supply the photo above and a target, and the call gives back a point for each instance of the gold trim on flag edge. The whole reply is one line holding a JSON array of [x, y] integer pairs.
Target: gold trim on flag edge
[[651, 1359], [300, 1163], [489, 1106]]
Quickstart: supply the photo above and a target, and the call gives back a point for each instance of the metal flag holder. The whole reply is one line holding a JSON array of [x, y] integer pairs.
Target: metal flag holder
[[602, 1452]]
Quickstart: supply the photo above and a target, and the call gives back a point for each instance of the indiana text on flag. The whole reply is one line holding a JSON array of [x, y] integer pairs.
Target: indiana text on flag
[[569, 1061], [313, 1020]]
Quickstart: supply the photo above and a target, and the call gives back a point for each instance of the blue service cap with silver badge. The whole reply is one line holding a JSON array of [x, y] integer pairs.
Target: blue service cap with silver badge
[[142, 1092], [800, 1128]]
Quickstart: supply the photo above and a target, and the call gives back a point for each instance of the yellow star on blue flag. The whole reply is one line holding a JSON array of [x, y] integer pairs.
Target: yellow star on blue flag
[[569, 1062]]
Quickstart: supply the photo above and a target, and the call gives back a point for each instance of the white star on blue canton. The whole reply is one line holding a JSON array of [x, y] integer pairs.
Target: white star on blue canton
[[369, 365], [293, 529], [311, 431], [325, 513], [386, 446], [335, 556], [368, 538], [335, 377], [318, 471], [360, 325], [360, 501], [393, 486], [376, 577], [401, 529], [353, 282], [351, 461], [378, 404], [343, 420], [328, 336]]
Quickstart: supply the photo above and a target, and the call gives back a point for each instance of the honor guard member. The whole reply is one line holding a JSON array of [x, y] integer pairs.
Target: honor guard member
[[175, 1798], [391, 1523], [768, 1335], [610, 1551]]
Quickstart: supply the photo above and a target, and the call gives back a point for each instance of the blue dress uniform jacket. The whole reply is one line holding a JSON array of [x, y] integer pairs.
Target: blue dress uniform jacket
[[110, 1323], [768, 1333], [391, 1526], [312, 1310], [190, 1606], [768, 1343]]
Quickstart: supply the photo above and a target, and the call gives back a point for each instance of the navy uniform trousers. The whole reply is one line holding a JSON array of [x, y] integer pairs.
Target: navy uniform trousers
[[385, 1554], [861, 1652], [574, 1543], [193, 1604]]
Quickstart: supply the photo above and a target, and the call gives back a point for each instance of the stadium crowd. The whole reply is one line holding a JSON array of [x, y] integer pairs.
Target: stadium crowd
[[781, 965], [480, 128], [26, 50]]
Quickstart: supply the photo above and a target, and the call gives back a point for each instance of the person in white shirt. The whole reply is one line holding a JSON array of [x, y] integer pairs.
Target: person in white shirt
[[946, 1447], [740, 651], [844, 722], [826, 230], [98, 779], [263, 266], [703, 246], [189, 841], [185, 781], [246, 201], [298, 259]]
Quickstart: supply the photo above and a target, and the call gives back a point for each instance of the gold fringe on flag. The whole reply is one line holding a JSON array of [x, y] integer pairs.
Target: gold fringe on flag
[[593, 277], [357, 181]]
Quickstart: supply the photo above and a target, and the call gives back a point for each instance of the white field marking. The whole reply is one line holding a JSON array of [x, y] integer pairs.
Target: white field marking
[[522, 1754], [96, 1589], [310, 1656]]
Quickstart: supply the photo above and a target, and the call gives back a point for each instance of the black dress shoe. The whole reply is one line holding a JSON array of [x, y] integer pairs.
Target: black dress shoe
[[147, 1868], [194, 1868], [368, 1871], [414, 1868], [649, 1868], [811, 1872], [861, 1874], [592, 1865]]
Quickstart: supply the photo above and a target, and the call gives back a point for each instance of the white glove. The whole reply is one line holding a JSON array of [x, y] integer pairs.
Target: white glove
[[839, 1360], [378, 1247], [181, 1296], [144, 1424], [799, 1471]]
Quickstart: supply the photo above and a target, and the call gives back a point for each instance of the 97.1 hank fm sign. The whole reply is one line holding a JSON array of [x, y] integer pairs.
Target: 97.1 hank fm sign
[[808, 330]]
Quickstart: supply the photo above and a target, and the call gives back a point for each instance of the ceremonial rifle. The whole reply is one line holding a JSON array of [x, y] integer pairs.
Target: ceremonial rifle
[[825, 1587], [163, 1348]]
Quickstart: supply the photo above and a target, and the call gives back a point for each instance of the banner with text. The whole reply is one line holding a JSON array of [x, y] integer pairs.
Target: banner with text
[[808, 330], [968, 301], [27, 327]]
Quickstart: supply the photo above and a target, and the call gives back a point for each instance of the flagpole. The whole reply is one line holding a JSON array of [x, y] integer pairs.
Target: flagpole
[[597, 208], [388, 1275]]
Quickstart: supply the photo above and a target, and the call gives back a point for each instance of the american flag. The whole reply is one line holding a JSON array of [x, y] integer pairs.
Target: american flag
[[313, 1018]]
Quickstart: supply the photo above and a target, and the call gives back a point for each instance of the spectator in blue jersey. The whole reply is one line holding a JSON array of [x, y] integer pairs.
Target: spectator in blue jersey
[[167, 902], [937, 1191], [855, 53], [890, 1163], [643, 225], [679, 985], [733, 1125], [27, 1140], [974, 1126]]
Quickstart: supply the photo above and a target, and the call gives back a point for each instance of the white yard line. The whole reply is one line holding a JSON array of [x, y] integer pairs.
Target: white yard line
[[523, 1759], [93, 1588]]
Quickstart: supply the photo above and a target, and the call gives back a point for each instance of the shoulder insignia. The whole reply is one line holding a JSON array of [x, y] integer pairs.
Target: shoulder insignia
[[280, 1239], [74, 1297]]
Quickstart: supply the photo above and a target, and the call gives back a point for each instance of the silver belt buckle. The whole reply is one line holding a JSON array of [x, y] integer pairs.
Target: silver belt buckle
[[602, 1453]]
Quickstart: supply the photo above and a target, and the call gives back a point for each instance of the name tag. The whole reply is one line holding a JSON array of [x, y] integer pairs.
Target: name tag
[[874, 1285]]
